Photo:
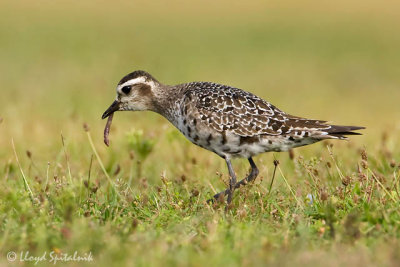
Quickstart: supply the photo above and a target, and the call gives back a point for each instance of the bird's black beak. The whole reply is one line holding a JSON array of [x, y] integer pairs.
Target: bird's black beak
[[114, 107]]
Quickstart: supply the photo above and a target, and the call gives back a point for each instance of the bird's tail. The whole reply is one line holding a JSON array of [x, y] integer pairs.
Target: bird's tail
[[340, 132]]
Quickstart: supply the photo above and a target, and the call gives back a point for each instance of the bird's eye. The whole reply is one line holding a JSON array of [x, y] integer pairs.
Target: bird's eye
[[126, 89]]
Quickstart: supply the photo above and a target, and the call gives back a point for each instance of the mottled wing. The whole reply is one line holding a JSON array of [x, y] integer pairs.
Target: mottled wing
[[224, 108]]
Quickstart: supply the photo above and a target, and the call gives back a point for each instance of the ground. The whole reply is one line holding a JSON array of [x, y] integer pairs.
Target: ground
[[142, 201]]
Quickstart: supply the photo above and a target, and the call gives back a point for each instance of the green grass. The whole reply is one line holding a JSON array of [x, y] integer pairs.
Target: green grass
[[60, 63]]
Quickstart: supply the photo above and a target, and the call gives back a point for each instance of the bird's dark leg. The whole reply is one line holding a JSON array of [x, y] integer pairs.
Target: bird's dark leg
[[253, 174], [232, 181]]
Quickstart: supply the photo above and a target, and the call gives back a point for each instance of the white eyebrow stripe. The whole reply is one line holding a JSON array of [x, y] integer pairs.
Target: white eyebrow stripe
[[133, 81]]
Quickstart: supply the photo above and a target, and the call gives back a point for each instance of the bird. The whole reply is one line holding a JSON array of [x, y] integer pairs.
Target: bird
[[228, 121]]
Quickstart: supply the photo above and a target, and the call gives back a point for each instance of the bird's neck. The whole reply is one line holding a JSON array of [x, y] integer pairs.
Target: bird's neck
[[166, 100]]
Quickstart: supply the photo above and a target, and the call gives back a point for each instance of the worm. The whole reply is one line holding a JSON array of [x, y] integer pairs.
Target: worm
[[107, 130]]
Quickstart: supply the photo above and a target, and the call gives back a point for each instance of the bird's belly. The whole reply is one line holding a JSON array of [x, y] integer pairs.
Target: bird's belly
[[225, 144], [220, 143], [229, 145]]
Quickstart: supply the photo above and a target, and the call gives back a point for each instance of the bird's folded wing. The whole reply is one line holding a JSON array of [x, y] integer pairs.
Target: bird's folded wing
[[224, 108]]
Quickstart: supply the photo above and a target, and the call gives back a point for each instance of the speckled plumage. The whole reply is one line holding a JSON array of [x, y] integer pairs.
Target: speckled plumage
[[223, 119], [235, 123]]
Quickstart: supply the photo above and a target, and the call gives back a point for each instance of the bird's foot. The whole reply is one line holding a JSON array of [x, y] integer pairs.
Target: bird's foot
[[217, 198]]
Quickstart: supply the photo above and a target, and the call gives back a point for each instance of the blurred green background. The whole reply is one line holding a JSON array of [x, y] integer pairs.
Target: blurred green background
[[60, 61]]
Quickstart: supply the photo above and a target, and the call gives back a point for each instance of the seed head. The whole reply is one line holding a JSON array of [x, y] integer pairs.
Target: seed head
[[364, 155], [364, 164], [324, 195], [86, 127], [183, 178], [291, 154], [117, 170], [195, 192], [346, 180], [328, 164], [362, 177], [393, 163], [94, 189]]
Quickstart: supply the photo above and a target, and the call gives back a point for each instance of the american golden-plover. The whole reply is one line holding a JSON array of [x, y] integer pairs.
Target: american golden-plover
[[225, 120]]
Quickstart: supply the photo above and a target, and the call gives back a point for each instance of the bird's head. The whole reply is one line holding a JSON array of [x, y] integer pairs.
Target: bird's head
[[134, 92]]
